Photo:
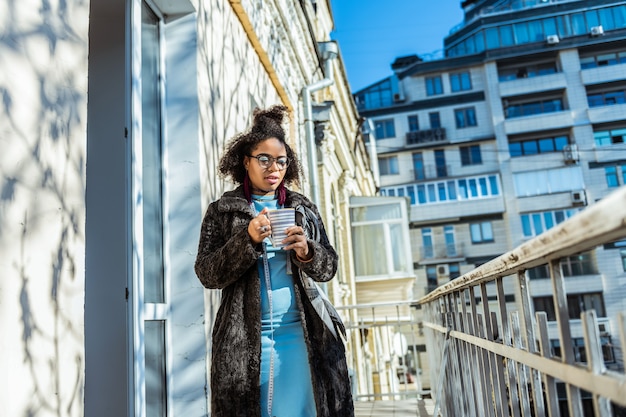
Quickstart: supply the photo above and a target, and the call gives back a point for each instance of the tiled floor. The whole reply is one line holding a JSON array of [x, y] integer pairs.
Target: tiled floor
[[399, 408]]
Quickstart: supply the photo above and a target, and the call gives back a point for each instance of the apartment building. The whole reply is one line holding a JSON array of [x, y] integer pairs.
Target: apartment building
[[520, 126]]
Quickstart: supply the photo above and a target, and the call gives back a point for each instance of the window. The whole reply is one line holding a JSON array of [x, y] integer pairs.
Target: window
[[455, 270], [418, 166], [460, 81], [576, 265], [380, 235], [431, 277], [481, 232], [536, 146], [385, 129], [530, 108], [388, 166], [533, 224], [520, 70], [414, 125], [467, 188], [577, 303], [465, 117], [609, 137], [434, 86], [580, 355], [470, 155], [611, 177], [440, 163], [427, 242], [606, 98], [375, 97], [548, 181], [448, 233], [602, 59], [433, 118], [622, 253]]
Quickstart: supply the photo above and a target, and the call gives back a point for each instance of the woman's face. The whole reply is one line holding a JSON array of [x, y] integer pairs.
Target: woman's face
[[266, 166]]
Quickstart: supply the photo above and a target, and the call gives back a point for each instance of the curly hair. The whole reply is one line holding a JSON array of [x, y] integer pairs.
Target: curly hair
[[267, 123]]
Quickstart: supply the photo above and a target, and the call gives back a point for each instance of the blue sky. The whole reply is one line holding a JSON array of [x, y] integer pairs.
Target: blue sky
[[372, 33]]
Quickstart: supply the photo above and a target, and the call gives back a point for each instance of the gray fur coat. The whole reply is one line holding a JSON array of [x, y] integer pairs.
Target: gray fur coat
[[227, 260]]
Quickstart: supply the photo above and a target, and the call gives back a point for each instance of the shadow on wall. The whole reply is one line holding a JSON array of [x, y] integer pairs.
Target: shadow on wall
[[42, 182]]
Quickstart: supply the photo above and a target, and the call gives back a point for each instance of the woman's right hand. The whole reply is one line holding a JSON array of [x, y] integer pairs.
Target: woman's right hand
[[259, 228]]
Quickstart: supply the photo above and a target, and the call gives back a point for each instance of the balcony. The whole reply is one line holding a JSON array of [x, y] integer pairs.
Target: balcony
[[426, 137], [501, 353]]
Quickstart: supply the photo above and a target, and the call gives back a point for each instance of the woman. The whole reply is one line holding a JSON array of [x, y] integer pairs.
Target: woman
[[275, 352]]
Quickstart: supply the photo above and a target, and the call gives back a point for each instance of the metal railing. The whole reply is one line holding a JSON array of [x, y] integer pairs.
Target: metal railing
[[491, 356], [383, 351]]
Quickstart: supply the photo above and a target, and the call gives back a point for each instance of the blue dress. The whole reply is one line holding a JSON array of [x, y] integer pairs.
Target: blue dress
[[282, 336]]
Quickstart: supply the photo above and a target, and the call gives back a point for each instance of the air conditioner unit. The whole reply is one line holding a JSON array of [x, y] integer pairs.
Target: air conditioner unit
[[570, 154], [579, 198], [552, 39], [443, 270], [596, 31], [398, 98]]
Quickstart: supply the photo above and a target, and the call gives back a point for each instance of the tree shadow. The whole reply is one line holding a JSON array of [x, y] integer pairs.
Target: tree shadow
[[42, 183]]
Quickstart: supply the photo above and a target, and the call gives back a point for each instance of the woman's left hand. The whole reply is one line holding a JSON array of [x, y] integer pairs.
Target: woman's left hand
[[297, 241]]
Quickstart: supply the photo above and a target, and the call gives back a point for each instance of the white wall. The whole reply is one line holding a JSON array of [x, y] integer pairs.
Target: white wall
[[43, 85]]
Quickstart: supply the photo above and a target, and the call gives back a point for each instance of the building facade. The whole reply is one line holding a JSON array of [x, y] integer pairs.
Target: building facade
[[114, 116], [520, 126]]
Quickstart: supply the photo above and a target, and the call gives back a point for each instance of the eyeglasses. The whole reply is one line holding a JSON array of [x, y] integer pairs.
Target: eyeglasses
[[266, 161]]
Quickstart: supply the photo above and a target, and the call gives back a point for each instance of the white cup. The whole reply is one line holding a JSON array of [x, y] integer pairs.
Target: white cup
[[280, 220]]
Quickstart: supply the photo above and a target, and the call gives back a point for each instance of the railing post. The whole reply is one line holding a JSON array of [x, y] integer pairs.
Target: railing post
[[549, 382], [565, 335], [528, 326], [595, 359]]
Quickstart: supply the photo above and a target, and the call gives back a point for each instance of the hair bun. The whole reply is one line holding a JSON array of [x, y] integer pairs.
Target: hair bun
[[275, 113]]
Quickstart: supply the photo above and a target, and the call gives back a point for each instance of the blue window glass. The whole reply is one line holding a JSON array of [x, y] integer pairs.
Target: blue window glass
[[611, 176], [434, 86], [549, 26], [619, 14], [418, 166], [414, 125], [401, 192], [606, 18], [452, 189], [547, 218], [493, 38], [526, 229], [506, 35], [521, 33], [411, 192], [421, 194], [591, 16], [515, 149], [391, 192], [463, 189], [559, 217], [537, 223], [432, 196], [546, 145], [578, 24], [473, 187], [560, 142], [435, 121], [530, 147], [479, 41], [535, 31], [493, 182], [441, 189], [482, 182]]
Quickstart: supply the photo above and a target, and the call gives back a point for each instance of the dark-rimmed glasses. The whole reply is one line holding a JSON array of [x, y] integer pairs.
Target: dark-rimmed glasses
[[266, 161]]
